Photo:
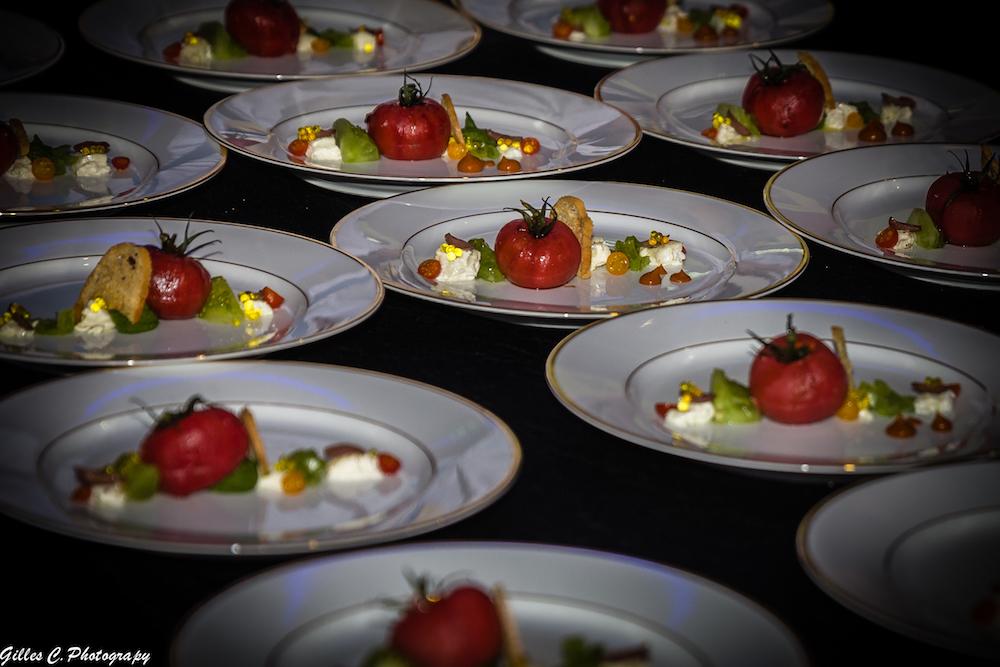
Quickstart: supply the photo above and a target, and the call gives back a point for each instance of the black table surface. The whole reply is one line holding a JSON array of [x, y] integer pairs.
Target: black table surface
[[577, 486]]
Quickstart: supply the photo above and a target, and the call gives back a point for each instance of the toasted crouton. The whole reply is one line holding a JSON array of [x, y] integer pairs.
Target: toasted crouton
[[573, 213], [121, 278]]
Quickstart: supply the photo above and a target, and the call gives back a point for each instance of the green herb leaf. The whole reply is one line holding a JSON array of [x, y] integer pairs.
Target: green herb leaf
[[61, 325], [147, 321], [630, 246], [243, 478], [489, 270], [884, 399]]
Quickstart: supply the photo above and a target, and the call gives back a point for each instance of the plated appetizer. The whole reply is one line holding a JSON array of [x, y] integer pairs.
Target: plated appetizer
[[782, 100], [267, 29], [414, 127], [795, 378], [961, 208], [466, 625], [133, 287], [706, 26], [24, 162], [207, 448], [549, 246]]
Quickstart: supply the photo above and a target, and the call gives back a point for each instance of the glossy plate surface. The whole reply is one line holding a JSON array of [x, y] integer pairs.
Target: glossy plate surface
[[575, 131], [303, 613], [844, 199], [451, 467], [167, 154], [613, 374], [769, 22], [43, 266], [27, 47], [915, 553], [732, 251], [673, 99], [419, 34]]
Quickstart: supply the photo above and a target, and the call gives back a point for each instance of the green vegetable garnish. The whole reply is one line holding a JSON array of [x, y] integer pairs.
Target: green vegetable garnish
[[929, 236], [630, 246], [306, 461], [732, 401], [222, 305], [385, 657], [62, 156], [60, 326], [480, 144], [740, 115], [337, 38], [489, 270], [576, 652], [243, 478], [224, 47], [884, 400], [147, 321], [354, 143], [139, 480], [587, 18], [865, 111]]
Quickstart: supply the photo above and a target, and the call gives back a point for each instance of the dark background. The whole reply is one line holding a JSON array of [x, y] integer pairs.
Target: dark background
[[578, 486]]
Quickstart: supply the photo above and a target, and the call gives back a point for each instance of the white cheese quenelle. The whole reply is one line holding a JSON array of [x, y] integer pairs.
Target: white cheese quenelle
[[457, 264]]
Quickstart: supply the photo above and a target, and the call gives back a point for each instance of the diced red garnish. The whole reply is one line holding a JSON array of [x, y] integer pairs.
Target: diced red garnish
[[380, 37], [561, 30], [272, 298], [120, 162], [172, 53], [298, 147], [887, 238], [81, 494], [388, 463], [663, 408], [710, 133]]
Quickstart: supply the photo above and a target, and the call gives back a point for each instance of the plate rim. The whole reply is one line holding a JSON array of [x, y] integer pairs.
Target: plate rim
[[516, 547], [787, 470], [654, 51], [990, 277], [575, 318], [251, 78], [264, 348], [419, 181], [40, 66], [825, 582], [774, 161], [219, 550], [141, 196]]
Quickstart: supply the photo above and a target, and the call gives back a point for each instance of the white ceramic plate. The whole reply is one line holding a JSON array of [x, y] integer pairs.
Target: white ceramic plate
[[27, 47], [575, 131], [915, 553], [168, 154], [613, 374], [304, 613], [844, 199], [43, 266], [769, 22], [420, 34], [452, 466], [673, 99], [733, 251]]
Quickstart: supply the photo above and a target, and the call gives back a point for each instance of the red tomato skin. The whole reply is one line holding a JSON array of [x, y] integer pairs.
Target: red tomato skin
[[416, 132], [462, 629], [972, 218], [786, 109], [8, 147], [266, 28], [196, 451], [538, 263], [633, 16], [178, 287], [939, 192], [801, 392]]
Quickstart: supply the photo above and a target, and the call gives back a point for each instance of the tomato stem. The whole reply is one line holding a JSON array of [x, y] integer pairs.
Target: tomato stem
[[411, 94], [168, 242], [539, 224]]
